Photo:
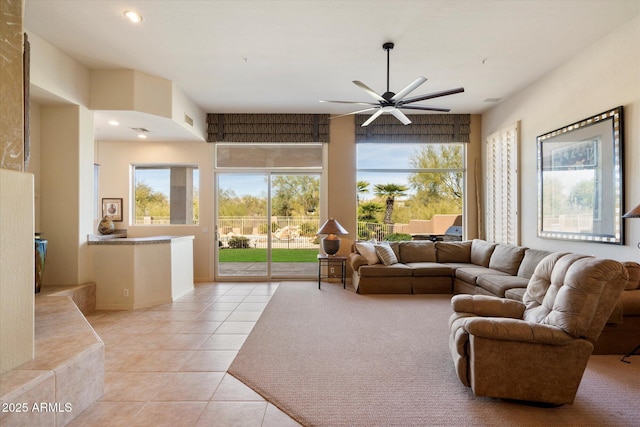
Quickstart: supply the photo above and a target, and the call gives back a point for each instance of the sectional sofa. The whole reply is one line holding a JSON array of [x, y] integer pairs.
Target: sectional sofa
[[478, 267]]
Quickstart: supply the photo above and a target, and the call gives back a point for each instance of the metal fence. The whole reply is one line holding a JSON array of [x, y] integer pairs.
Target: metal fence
[[290, 232], [286, 231]]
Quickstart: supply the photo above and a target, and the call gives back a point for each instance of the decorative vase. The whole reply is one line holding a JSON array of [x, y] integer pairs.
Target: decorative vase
[[106, 226], [40, 255]]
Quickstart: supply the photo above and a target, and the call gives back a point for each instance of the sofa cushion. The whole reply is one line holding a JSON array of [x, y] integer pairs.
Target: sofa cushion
[[515, 293], [507, 258], [633, 268], [356, 260], [499, 284], [418, 251], [381, 270], [481, 252], [429, 269], [530, 261], [630, 303], [368, 250], [453, 251], [471, 274], [385, 253]]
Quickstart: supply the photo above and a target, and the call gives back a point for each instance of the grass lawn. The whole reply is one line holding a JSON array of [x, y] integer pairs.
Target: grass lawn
[[260, 255]]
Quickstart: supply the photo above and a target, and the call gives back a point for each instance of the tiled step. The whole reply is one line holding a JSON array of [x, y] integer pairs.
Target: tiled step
[[65, 377], [84, 296]]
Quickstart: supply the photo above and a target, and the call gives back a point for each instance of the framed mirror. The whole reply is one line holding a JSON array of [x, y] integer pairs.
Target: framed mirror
[[580, 180]]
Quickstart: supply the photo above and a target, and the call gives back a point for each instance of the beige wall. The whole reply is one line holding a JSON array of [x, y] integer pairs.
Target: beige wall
[[116, 160], [340, 179], [16, 269], [66, 182], [603, 76], [16, 202]]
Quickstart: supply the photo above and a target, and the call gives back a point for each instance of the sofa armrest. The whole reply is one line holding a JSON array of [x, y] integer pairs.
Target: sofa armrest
[[356, 260], [489, 306], [515, 330]]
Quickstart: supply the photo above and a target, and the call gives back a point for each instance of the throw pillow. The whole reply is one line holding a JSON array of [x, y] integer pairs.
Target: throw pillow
[[368, 251], [386, 254]]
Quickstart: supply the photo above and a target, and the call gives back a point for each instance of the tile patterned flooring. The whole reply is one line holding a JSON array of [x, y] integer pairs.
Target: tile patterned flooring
[[167, 365]]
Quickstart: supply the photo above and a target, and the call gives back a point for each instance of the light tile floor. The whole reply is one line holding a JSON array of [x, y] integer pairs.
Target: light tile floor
[[167, 365]]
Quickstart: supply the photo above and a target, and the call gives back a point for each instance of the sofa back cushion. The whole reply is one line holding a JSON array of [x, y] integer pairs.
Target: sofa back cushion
[[507, 258], [368, 250], [453, 251], [530, 261], [575, 293], [417, 251], [633, 268], [481, 251]]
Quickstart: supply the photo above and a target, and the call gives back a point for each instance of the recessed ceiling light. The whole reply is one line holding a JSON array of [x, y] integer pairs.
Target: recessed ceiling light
[[114, 123], [132, 16], [142, 136]]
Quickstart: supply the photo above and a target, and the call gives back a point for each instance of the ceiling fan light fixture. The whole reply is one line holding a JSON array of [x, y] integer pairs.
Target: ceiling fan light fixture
[[391, 103]]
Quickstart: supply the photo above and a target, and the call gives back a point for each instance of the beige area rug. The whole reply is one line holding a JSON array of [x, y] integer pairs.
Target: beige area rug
[[333, 358]]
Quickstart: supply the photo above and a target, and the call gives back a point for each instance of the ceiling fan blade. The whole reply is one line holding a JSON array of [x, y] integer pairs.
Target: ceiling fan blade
[[400, 116], [372, 118], [408, 89], [350, 102], [430, 96], [425, 108], [369, 90], [350, 114]]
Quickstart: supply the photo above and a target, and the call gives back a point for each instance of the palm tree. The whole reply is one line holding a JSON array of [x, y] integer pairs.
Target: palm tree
[[390, 192], [362, 187]]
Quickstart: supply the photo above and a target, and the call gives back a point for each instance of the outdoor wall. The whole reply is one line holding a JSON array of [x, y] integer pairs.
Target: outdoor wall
[[603, 76]]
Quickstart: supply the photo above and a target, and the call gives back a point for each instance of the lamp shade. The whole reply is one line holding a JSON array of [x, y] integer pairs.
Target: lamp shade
[[633, 213], [331, 226]]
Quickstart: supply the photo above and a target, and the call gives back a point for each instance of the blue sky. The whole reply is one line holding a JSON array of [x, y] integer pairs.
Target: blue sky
[[370, 156]]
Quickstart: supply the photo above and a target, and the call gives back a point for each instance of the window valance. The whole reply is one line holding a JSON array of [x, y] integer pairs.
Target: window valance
[[424, 128], [268, 127]]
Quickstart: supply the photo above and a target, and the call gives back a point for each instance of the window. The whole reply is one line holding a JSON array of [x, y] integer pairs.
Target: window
[[414, 189], [166, 194]]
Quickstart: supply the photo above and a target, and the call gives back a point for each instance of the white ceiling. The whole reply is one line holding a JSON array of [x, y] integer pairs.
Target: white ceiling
[[284, 56]]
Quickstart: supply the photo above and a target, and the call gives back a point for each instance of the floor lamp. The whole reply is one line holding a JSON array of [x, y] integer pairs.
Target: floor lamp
[[633, 213]]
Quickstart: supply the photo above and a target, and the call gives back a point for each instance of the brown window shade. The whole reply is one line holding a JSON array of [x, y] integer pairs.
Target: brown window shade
[[268, 127], [424, 128]]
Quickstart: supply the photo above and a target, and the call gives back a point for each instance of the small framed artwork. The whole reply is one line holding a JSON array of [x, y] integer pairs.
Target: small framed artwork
[[113, 209]]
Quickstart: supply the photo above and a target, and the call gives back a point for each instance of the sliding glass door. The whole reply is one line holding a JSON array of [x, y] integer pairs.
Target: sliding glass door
[[266, 225], [242, 225]]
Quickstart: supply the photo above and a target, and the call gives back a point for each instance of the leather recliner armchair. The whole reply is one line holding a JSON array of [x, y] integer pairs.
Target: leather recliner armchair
[[536, 350]]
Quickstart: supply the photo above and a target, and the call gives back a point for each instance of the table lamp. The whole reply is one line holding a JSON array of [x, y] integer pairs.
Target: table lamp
[[331, 243]]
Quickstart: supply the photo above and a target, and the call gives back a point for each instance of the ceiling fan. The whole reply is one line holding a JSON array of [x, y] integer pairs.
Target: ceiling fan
[[391, 103]]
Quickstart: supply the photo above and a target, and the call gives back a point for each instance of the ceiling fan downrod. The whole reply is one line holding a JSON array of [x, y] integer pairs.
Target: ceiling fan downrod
[[388, 95]]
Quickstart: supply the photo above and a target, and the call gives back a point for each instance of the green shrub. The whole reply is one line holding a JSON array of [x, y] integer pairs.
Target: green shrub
[[238, 242], [397, 237]]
